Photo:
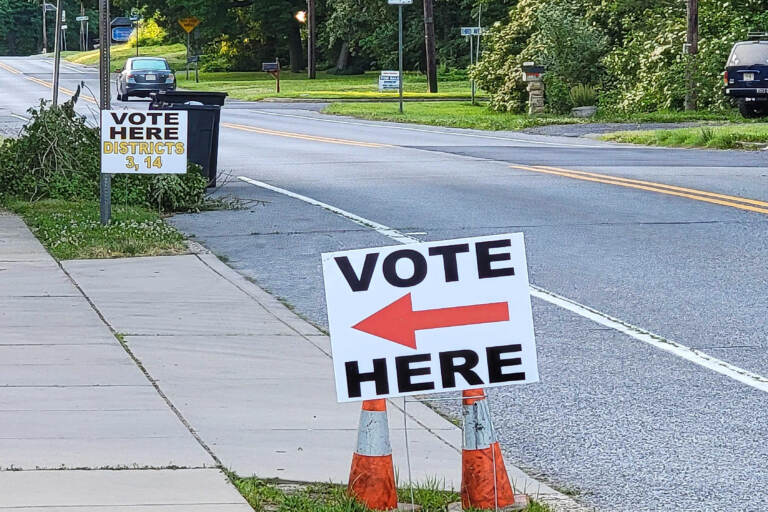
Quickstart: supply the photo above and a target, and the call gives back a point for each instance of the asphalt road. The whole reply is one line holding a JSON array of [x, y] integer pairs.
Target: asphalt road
[[660, 239]]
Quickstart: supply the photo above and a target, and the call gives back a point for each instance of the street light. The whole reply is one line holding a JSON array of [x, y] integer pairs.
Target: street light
[[301, 16], [46, 7]]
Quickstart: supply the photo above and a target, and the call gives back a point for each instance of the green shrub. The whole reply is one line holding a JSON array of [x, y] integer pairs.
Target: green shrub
[[557, 94], [150, 34], [553, 33], [57, 156], [583, 96]]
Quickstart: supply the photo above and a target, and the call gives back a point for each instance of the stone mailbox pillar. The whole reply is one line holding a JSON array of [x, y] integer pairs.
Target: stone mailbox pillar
[[532, 76]]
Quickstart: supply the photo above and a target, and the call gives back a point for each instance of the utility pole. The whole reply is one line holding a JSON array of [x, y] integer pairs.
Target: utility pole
[[429, 37], [692, 49], [311, 40], [57, 53], [105, 182]]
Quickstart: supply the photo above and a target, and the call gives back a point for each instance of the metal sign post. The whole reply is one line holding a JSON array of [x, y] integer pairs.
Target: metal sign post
[[135, 18], [471, 32], [400, 4], [189, 24], [105, 181]]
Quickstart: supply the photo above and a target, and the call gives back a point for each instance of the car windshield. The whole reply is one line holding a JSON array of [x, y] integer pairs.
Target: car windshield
[[749, 54], [149, 65]]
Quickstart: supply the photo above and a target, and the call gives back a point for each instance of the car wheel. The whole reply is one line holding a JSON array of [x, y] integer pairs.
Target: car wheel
[[751, 109]]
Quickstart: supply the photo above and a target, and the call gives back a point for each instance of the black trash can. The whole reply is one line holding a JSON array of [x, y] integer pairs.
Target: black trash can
[[202, 125]]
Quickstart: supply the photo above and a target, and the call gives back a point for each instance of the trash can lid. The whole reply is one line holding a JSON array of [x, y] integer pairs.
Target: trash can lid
[[203, 97]]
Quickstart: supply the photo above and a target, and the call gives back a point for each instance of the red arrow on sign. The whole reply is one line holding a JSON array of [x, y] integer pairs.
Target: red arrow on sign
[[398, 322]]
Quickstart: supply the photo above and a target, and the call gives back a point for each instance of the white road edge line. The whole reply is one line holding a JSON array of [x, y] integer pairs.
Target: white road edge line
[[689, 354]]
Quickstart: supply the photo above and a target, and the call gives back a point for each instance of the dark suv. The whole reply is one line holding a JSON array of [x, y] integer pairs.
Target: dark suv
[[746, 76]]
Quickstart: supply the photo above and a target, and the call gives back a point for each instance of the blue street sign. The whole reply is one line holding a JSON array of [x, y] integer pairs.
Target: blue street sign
[[121, 34]]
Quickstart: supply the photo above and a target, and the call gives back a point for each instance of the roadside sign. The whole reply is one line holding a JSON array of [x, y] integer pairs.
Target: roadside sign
[[81, 18], [189, 24], [151, 142], [63, 27], [121, 34], [400, 2], [430, 317], [472, 31], [389, 81]]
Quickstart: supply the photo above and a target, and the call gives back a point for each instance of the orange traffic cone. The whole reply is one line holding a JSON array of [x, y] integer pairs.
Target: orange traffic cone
[[372, 477], [481, 461]]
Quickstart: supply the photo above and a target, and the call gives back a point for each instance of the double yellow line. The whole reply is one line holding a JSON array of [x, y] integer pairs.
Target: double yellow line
[[752, 205], [302, 136], [49, 85]]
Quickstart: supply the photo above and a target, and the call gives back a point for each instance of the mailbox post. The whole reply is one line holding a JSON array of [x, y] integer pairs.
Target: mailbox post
[[532, 76], [273, 68]]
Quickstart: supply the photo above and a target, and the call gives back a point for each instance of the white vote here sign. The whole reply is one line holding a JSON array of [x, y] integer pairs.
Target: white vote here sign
[[430, 317], [151, 142]]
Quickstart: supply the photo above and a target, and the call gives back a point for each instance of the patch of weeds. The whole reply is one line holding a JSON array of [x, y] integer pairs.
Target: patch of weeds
[[272, 496], [71, 230]]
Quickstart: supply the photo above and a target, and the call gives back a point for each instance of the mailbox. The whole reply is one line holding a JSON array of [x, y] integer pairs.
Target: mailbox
[[532, 72], [273, 68]]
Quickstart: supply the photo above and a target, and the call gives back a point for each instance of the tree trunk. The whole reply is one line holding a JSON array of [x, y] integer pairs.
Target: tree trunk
[[11, 42], [295, 48], [429, 38], [343, 61], [692, 45]]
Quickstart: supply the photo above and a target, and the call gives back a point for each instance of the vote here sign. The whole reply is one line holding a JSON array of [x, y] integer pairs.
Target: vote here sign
[[430, 317], [152, 142]]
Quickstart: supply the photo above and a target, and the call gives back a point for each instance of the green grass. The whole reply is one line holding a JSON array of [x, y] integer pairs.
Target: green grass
[[453, 114], [714, 137], [71, 230], [254, 86], [466, 115], [175, 53], [269, 496]]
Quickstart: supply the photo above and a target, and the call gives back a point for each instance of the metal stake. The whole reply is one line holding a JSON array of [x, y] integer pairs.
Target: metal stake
[[57, 54], [400, 53], [105, 181], [471, 62]]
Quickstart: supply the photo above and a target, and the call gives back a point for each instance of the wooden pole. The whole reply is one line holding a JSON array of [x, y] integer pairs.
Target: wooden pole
[[692, 47], [429, 39], [57, 54], [311, 40]]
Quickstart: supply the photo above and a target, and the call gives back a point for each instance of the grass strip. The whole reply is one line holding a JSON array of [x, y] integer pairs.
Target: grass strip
[[736, 136], [271, 496], [450, 114], [71, 230], [175, 53], [466, 115], [255, 86]]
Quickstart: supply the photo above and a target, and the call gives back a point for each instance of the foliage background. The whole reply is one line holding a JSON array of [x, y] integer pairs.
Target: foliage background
[[631, 50]]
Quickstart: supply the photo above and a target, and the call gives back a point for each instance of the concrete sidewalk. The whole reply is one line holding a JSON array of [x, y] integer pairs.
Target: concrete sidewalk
[[213, 371], [72, 398]]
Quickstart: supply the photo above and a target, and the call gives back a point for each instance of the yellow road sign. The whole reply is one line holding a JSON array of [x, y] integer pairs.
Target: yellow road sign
[[189, 24]]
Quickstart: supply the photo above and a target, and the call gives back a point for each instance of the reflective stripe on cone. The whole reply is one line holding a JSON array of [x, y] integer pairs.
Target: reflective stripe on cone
[[372, 477], [480, 452]]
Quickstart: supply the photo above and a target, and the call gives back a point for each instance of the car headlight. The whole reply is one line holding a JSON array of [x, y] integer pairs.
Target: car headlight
[[171, 79]]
